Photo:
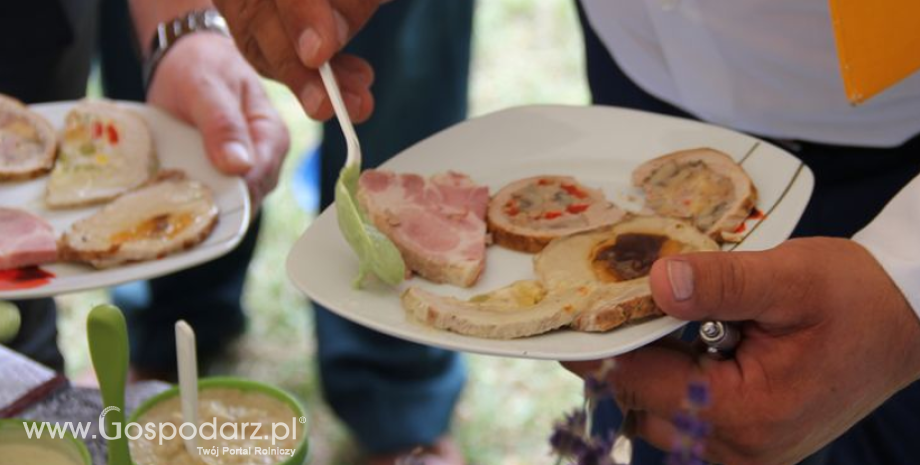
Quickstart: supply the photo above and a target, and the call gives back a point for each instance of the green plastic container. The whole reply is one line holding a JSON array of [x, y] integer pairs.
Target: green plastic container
[[301, 454], [15, 440]]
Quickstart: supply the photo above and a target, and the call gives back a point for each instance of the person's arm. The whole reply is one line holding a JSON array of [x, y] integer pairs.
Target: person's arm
[[894, 239], [204, 80]]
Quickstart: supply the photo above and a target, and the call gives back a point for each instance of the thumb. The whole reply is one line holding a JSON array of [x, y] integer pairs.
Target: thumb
[[218, 115], [731, 286]]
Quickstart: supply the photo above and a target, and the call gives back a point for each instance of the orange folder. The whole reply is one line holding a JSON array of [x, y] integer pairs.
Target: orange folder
[[878, 43]]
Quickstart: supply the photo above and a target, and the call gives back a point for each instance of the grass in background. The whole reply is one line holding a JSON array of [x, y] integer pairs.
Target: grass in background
[[525, 52]]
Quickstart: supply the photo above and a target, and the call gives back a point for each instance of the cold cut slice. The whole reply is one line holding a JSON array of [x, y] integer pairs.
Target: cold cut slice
[[437, 223], [25, 239]]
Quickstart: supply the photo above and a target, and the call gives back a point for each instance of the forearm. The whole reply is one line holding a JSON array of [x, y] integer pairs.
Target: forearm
[[893, 237], [148, 13]]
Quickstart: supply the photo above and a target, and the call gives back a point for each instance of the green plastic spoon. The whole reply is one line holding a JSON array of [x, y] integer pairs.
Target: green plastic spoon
[[376, 253], [108, 348]]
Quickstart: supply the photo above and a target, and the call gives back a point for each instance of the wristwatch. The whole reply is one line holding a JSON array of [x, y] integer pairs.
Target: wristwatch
[[170, 32]]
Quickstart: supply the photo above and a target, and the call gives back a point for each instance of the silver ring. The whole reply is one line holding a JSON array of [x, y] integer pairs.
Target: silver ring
[[721, 338]]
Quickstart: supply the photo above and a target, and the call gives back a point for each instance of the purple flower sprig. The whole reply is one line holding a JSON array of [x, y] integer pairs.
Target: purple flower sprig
[[572, 443], [692, 430]]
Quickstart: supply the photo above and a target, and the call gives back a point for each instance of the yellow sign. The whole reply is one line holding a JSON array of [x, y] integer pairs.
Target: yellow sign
[[878, 43]]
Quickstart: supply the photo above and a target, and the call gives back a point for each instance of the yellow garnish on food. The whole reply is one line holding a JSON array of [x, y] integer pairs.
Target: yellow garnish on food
[[165, 226]]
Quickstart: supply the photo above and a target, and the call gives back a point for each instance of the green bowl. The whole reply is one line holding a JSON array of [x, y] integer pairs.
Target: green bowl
[[302, 451], [13, 432]]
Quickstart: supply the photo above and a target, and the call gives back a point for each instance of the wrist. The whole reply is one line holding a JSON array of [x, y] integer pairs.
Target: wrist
[[148, 14], [169, 33]]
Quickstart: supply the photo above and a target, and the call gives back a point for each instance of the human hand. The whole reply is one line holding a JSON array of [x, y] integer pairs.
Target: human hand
[[288, 40], [827, 337], [204, 81]]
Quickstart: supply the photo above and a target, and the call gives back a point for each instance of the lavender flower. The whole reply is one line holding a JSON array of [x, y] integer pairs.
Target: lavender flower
[[688, 445], [568, 438]]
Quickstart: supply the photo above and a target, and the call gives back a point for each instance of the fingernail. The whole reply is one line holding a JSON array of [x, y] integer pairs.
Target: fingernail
[[308, 44], [237, 156], [312, 98], [680, 274], [341, 27], [352, 103]]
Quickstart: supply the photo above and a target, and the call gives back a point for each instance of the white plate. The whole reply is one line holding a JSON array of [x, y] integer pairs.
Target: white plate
[[178, 146], [600, 146]]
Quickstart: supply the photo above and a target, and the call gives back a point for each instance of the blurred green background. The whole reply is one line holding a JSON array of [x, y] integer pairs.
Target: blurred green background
[[525, 52]]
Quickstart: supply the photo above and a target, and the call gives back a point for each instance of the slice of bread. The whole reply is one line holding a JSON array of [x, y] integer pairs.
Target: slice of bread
[[28, 144], [703, 186], [106, 150], [527, 214], [170, 214]]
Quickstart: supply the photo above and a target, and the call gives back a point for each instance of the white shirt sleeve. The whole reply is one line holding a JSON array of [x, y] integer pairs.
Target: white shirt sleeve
[[893, 237]]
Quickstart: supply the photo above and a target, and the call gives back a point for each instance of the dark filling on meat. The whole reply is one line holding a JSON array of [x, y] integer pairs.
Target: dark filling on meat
[[631, 255]]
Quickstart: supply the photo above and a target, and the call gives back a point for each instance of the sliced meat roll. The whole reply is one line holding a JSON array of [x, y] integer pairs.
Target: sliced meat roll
[[106, 150], [437, 223], [527, 214], [28, 143], [170, 214], [703, 186], [25, 239]]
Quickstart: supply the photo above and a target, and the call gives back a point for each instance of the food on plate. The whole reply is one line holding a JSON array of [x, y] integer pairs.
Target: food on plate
[[25, 239], [229, 419], [592, 281], [27, 142], [169, 214], [513, 312], [438, 224], [703, 186], [527, 214], [617, 259], [105, 151]]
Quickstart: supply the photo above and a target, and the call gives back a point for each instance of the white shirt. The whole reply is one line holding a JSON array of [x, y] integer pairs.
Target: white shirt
[[764, 66], [770, 67]]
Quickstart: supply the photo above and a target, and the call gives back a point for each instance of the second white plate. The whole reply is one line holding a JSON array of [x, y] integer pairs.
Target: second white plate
[[178, 146]]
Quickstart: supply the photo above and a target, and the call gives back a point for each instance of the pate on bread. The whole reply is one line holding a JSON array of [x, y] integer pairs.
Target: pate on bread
[[592, 281]]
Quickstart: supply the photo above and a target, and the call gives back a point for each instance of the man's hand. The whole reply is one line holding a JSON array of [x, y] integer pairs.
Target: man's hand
[[827, 338], [288, 40], [204, 81]]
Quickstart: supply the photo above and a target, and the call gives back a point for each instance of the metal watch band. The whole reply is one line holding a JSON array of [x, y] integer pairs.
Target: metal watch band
[[168, 33]]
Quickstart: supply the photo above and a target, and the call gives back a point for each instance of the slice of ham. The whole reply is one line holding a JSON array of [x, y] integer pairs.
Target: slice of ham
[[438, 224], [25, 240]]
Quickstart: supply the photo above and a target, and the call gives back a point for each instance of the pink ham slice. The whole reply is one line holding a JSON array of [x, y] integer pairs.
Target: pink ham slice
[[438, 224], [25, 240]]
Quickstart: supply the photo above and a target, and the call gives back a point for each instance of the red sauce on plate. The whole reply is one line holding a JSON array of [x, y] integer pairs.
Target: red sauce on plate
[[24, 278]]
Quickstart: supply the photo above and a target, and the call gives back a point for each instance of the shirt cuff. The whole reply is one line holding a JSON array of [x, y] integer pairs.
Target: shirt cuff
[[893, 237]]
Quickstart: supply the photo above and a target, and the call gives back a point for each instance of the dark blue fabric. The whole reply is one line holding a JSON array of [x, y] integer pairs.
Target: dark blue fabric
[[851, 187], [391, 393]]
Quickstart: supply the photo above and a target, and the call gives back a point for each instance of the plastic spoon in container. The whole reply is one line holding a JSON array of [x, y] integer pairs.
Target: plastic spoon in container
[[108, 348], [188, 380], [376, 253]]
